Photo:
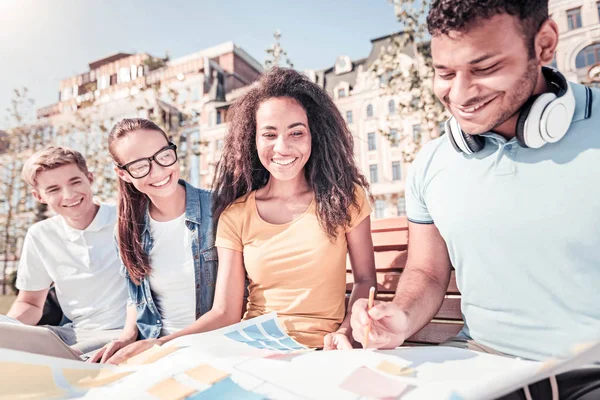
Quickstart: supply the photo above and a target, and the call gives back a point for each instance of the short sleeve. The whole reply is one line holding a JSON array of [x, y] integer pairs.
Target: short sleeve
[[32, 274], [363, 211], [229, 230], [416, 207]]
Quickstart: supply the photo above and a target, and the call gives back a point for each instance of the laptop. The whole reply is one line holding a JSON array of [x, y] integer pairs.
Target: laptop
[[37, 340]]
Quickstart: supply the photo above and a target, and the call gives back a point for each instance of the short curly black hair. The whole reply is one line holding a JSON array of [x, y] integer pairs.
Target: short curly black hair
[[459, 15]]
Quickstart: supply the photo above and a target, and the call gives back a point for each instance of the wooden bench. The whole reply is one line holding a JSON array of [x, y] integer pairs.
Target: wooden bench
[[390, 242]]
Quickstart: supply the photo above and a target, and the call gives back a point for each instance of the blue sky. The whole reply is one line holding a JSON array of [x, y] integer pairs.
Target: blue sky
[[44, 41]]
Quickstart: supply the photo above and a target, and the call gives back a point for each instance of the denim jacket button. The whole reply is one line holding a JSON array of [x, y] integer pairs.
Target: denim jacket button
[[158, 321], [196, 256], [198, 286]]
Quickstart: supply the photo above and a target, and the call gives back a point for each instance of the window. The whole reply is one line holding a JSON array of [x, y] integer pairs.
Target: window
[[219, 121], [396, 174], [369, 111], [392, 107], [394, 138], [341, 92], [401, 206], [220, 144], [598, 8], [349, 117], [372, 139], [379, 209], [133, 72], [574, 18], [373, 173], [124, 75], [588, 56], [417, 133]]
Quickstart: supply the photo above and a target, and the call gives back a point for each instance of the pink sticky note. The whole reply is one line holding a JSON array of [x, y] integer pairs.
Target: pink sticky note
[[366, 382]]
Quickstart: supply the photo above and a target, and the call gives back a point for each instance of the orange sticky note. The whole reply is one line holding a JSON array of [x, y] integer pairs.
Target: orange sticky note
[[394, 369], [170, 389], [28, 381], [92, 377], [151, 355], [206, 374]]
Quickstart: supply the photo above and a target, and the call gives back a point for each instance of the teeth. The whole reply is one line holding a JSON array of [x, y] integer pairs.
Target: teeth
[[161, 183], [74, 204], [285, 162]]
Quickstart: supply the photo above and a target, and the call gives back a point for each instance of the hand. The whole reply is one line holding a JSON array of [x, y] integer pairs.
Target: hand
[[389, 324], [133, 349], [336, 341], [103, 354]]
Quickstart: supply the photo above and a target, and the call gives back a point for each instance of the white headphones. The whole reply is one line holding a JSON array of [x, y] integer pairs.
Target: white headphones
[[544, 118]]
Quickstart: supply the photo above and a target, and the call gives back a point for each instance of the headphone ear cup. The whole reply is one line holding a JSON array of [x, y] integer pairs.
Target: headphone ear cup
[[475, 142], [463, 142], [523, 114]]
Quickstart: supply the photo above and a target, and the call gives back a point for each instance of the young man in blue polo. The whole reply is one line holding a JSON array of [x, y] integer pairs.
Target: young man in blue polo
[[509, 197]]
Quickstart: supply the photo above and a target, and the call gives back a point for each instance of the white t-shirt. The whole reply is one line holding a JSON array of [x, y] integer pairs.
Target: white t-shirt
[[172, 279], [84, 266]]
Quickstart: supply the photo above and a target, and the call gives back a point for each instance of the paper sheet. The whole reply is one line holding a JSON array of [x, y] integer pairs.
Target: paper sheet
[[170, 389]]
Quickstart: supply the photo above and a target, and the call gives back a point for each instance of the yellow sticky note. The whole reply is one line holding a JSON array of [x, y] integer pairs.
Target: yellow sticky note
[[206, 374], [394, 369], [170, 389], [28, 381], [151, 355], [92, 377]]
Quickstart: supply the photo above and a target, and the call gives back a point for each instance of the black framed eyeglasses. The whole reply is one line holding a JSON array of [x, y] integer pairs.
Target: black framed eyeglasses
[[165, 157]]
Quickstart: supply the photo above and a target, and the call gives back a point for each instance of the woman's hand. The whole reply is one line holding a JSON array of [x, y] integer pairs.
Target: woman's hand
[[132, 350], [337, 341]]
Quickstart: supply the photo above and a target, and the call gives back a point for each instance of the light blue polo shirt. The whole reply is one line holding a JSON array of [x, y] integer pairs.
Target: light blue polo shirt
[[522, 227]]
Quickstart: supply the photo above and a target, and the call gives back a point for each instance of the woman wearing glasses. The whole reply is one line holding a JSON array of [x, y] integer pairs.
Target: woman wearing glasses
[[164, 238]]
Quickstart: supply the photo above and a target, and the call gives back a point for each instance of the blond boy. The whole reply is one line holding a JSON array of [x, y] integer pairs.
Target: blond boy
[[74, 250]]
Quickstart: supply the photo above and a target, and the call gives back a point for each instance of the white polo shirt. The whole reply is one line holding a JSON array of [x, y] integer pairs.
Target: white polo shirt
[[84, 266], [522, 227]]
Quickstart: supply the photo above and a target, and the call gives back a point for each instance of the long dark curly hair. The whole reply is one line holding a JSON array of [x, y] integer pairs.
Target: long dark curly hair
[[330, 171]]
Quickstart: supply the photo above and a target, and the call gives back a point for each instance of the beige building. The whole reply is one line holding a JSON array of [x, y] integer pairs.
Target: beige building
[[578, 52]]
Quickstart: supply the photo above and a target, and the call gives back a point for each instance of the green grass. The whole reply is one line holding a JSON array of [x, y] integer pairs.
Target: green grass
[[6, 302]]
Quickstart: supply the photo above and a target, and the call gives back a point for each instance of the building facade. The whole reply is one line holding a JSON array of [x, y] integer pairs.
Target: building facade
[[578, 52]]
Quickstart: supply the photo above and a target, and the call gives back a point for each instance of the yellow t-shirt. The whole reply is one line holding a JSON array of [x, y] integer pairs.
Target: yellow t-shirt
[[294, 269]]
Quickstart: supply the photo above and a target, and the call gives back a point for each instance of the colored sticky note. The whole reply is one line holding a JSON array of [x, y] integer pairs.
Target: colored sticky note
[[237, 336], [226, 389], [92, 377], [255, 333], [206, 374], [28, 381], [170, 389], [366, 382], [394, 369], [151, 355]]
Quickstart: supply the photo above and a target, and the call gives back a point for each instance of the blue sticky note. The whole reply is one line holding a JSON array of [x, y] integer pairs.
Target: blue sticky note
[[256, 344], [226, 389], [235, 335], [272, 329], [270, 344], [254, 333]]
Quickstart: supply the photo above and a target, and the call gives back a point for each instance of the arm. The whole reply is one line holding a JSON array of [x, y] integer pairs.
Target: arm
[[423, 283], [29, 306], [362, 260], [127, 336], [226, 309], [419, 294]]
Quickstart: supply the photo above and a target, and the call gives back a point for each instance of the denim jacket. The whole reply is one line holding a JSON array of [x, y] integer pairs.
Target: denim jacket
[[198, 219]]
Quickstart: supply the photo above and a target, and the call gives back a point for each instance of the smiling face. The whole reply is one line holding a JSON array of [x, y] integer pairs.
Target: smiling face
[[484, 77], [140, 144], [67, 191], [283, 138]]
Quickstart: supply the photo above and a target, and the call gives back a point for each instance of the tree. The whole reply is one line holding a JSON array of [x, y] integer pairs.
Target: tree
[[411, 83], [278, 54]]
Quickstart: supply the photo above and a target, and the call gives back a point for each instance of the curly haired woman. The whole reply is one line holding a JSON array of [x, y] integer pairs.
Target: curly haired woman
[[290, 204]]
